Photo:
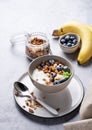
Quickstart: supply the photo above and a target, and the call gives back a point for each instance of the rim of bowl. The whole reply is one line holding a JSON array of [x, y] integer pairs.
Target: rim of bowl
[[78, 42], [72, 74]]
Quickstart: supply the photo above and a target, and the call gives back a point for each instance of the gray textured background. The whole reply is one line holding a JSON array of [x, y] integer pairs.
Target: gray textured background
[[18, 16]]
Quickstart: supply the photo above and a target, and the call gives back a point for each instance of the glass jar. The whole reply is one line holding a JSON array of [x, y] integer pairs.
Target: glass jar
[[36, 44]]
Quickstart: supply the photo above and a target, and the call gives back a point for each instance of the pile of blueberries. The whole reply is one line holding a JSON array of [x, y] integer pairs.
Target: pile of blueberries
[[69, 40]]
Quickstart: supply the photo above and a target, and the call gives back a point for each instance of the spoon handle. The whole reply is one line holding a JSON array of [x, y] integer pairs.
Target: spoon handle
[[47, 107]]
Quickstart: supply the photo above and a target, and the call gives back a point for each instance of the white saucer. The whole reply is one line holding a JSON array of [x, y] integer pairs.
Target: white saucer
[[66, 100]]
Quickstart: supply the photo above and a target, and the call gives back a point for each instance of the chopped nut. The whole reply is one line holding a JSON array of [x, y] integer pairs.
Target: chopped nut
[[32, 103], [51, 79], [44, 97], [30, 110], [16, 94], [24, 107], [58, 109], [39, 67], [36, 80], [28, 103], [37, 41], [47, 63], [45, 71], [37, 104], [59, 76], [32, 93], [44, 79], [49, 83]]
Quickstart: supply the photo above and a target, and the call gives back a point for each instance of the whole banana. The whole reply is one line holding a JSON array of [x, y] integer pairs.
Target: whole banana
[[86, 38]]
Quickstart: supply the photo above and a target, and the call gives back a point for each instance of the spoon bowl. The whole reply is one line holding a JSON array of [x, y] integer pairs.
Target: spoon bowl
[[22, 89]]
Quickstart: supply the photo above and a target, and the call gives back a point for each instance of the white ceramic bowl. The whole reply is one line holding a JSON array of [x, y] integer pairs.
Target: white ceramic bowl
[[53, 88], [71, 49]]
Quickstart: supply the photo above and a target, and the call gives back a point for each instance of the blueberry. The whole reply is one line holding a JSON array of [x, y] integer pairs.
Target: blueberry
[[59, 67], [75, 41], [42, 64], [53, 75], [56, 82], [72, 37], [72, 44], [69, 44], [67, 37], [65, 44], [62, 80], [66, 69], [62, 41], [59, 81], [51, 61], [70, 41]]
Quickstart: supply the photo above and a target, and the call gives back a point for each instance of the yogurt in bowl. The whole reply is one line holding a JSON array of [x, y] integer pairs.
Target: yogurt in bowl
[[50, 73]]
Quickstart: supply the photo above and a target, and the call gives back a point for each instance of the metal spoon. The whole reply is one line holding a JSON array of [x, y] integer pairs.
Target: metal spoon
[[23, 91]]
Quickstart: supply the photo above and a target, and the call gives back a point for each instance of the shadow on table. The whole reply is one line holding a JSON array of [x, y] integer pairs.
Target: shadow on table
[[74, 56], [49, 121]]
